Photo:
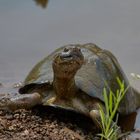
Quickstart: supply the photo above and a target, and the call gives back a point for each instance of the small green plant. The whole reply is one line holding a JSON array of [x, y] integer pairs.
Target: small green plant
[[110, 130]]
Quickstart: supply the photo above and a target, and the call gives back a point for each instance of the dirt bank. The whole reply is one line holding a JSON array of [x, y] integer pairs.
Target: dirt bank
[[43, 123]]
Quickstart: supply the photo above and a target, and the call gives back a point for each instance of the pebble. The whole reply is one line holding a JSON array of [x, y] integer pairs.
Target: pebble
[[135, 76], [11, 128], [18, 85], [16, 116], [9, 117], [26, 132]]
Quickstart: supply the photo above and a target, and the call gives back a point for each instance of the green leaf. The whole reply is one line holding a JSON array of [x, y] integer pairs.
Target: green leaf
[[106, 101], [103, 120], [110, 101]]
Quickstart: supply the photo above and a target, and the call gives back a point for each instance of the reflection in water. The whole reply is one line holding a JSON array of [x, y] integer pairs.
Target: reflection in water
[[42, 3]]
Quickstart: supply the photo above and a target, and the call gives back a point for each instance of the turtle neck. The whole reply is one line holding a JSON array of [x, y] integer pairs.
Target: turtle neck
[[64, 87]]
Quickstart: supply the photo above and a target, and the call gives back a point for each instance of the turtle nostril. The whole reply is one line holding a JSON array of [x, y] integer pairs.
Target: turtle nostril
[[66, 53]]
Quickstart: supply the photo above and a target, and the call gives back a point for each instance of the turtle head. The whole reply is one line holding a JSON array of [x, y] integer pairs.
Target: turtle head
[[66, 63]]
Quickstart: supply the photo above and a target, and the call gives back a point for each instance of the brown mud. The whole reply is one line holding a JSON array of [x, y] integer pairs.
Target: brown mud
[[45, 123]]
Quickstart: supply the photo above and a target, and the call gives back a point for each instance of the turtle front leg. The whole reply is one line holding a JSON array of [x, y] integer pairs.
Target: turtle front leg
[[95, 115], [17, 101]]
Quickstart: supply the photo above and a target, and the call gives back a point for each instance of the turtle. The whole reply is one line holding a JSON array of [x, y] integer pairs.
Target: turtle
[[73, 78]]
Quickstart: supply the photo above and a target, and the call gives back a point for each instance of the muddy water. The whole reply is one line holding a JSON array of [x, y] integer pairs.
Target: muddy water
[[29, 32]]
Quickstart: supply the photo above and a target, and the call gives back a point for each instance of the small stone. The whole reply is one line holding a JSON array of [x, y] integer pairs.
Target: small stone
[[1, 113], [18, 85], [26, 132], [11, 128], [23, 116], [16, 116], [9, 117], [135, 76]]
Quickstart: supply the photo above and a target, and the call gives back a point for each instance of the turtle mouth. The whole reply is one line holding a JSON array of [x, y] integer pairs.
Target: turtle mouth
[[66, 58]]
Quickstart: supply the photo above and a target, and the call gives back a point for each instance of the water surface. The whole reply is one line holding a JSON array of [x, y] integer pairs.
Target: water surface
[[29, 32]]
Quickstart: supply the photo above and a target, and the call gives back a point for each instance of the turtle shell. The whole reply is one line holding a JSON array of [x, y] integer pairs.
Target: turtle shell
[[100, 68]]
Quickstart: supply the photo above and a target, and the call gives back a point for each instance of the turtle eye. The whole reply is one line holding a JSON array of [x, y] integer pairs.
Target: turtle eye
[[66, 49]]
